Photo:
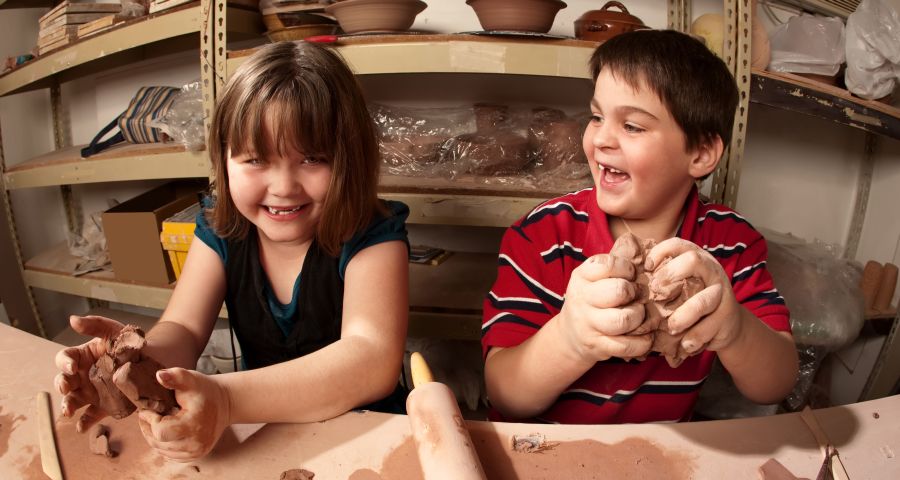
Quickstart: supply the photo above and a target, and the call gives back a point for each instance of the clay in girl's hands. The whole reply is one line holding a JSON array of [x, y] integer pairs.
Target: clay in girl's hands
[[125, 378]]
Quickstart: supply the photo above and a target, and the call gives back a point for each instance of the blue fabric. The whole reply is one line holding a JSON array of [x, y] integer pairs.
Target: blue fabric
[[382, 229]]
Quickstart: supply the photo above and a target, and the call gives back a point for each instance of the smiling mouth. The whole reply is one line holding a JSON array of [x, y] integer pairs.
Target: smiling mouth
[[282, 211]]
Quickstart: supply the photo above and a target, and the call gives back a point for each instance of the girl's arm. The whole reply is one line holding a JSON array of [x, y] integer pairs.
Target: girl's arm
[[361, 367], [182, 332]]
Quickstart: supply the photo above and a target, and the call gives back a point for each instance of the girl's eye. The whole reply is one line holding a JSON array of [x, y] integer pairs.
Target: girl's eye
[[631, 128], [313, 160], [596, 119], [253, 161]]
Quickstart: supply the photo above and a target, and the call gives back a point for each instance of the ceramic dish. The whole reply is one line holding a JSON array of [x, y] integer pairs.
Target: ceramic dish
[[382, 16]]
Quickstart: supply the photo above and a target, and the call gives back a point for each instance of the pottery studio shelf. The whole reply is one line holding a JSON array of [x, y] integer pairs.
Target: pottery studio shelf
[[456, 53], [150, 36], [466, 200], [120, 163], [445, 300], [810, 97]]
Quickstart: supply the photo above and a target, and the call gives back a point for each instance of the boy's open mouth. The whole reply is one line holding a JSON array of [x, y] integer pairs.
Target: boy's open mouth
[[612, 175]]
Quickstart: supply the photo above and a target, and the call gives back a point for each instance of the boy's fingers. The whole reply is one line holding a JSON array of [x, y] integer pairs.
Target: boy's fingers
[[692, 263], [609, 292], [695, 308], [628, 346], [603, 266], [671, 247], [617, 321]]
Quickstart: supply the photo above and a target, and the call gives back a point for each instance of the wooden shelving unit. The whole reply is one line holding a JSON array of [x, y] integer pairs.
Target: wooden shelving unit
[[120, 163], [810, 97]]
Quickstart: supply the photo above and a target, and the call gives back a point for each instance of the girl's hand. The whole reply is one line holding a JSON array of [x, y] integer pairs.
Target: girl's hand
[[194, 430], [598, 311], [711, 318], [75, 364]]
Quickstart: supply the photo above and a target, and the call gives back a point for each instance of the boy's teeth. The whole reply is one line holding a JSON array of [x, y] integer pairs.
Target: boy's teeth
[[276, 211]]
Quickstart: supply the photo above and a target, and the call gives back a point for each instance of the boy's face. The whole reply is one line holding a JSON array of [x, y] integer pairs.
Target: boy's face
[[636, 152]]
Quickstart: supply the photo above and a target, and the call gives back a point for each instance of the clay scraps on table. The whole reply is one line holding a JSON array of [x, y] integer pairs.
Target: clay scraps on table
[[297, 474], [659, 301], [531, 443], [98, 441], [125, 378]]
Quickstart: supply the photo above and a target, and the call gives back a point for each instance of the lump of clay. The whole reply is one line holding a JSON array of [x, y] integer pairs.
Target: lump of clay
[[297, 474], [660, 301], [99, 441], [125, 378]]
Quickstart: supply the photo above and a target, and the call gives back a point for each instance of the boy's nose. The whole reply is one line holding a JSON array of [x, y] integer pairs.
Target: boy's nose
[[602, 137]]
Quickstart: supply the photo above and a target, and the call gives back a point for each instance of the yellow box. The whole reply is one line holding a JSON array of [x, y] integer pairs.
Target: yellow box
[[177, 235]]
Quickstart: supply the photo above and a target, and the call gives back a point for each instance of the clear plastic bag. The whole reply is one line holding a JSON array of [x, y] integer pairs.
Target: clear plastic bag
[[89, 245], [183, 122], [873, 49], [821, 289], [808, 44]]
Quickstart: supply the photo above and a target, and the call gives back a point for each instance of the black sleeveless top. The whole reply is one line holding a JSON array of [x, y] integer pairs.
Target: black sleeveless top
[[319, 305]]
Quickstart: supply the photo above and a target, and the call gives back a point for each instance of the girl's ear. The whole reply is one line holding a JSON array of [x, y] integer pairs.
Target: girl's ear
[[706, 157]]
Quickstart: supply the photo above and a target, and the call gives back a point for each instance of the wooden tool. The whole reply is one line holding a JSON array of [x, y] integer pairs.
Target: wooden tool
[[49, 456], [445, 449], [832, 462]]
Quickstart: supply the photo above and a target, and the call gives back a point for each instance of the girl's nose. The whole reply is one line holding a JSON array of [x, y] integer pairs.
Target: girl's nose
[[283, 182]]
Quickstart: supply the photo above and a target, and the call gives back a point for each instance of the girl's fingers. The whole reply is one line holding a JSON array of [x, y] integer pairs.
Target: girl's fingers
[[89, 417], [95, 326]]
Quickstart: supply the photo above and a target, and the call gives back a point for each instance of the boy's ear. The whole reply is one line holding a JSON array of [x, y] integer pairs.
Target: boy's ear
[[706, 157]]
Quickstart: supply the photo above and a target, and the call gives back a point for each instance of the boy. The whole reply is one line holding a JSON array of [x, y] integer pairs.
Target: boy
[[557, 320]]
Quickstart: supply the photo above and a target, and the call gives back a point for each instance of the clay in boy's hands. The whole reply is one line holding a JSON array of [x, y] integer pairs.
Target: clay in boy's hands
[[126, 379], [659, 301]]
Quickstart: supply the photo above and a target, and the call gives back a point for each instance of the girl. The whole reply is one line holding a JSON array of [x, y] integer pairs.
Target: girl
[[294, 242]]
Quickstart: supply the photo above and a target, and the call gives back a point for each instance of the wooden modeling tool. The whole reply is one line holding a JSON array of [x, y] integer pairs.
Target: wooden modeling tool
[[832, 467], [49, 456], [443, 444]]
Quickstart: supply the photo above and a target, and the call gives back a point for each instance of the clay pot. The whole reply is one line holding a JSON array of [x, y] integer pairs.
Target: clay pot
[[368, 16], [517, 15], [601, 25]]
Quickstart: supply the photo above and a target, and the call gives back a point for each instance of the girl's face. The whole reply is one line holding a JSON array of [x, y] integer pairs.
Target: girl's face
[[283, 195], [636, 151]]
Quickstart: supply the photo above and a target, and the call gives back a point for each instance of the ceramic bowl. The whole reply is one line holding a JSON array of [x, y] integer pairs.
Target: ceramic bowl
[[301, 31], [519, 15], [371, 16], [280, 21]]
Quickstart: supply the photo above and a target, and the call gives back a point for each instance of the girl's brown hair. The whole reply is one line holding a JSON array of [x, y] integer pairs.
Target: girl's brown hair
[[312, 102]]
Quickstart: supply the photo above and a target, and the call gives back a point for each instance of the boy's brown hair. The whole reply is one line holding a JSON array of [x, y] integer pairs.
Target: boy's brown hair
[[313, 104], [694, 84]]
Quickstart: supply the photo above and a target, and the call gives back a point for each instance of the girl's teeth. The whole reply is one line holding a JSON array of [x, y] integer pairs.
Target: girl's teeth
[[282, 212]]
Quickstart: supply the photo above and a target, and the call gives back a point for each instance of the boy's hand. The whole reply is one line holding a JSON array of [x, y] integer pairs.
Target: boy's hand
[[593, 319], [711, 318], [194, 430], [75, 364]]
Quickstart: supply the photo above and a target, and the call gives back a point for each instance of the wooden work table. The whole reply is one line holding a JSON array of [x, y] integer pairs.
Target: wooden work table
[[373, 445]]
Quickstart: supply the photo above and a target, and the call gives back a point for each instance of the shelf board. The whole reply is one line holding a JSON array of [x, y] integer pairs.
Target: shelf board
[[119, 44], [803, 95], [467, 199], [888, 315], [10, 4], [120, 163], [457, 53]]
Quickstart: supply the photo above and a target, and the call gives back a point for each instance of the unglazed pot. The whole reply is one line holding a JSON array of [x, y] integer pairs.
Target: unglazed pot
[[518, 15], [601, 25]]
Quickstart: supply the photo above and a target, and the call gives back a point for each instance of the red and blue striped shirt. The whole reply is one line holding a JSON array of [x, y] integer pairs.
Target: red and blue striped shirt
[[537, 256]]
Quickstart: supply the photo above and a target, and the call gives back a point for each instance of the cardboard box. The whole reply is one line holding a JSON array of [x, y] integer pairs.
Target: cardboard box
[[177, 235], [132, 231]]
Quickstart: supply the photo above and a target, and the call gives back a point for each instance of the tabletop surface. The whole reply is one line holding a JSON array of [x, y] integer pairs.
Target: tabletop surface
[[371, 446]]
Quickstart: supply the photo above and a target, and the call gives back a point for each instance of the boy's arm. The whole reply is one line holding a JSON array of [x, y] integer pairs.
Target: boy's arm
[[524, 380], [762, 362], [362, 367]]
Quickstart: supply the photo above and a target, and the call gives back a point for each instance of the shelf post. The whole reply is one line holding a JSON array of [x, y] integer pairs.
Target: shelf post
[[678, 15]]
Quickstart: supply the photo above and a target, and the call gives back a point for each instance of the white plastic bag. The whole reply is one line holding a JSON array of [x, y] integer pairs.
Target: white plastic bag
[[873, 49], [808, 44]]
